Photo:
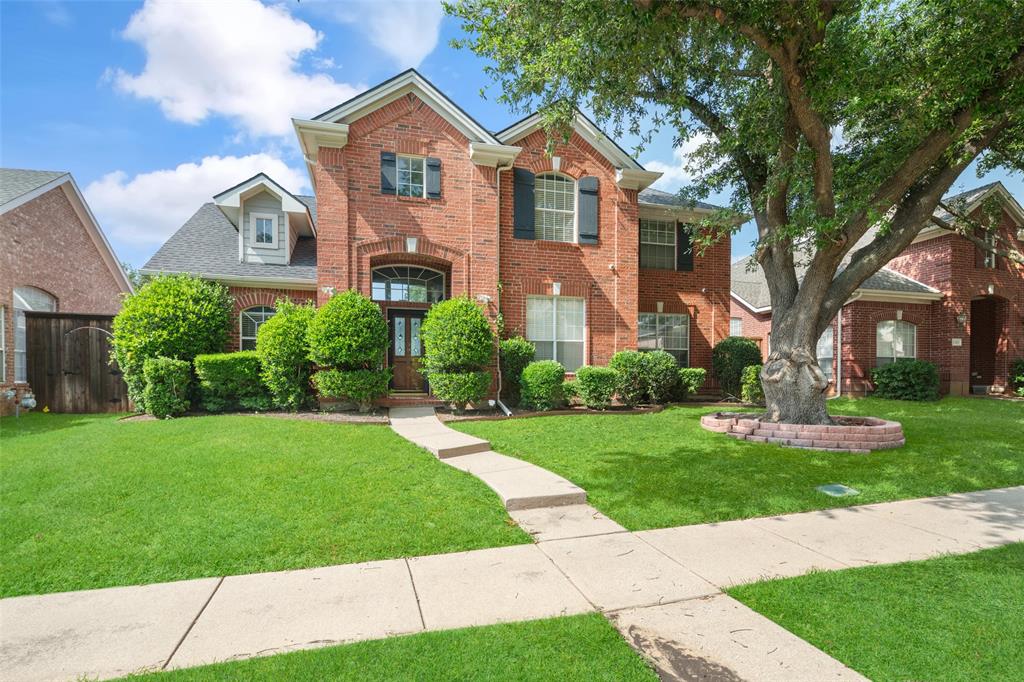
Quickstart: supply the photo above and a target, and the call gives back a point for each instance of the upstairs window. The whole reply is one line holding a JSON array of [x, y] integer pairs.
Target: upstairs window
[[990, 256], [670, 333], [658, 244], [894, 340], [555, 208], [411, 173], [251, 320], [264, 230], [27, 299]]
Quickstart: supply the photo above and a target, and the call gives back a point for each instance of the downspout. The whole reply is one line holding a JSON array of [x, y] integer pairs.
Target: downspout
[[497, 259], [839, 348]]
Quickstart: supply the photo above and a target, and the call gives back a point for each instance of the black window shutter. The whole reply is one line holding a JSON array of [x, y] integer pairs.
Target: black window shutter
[[684, 248], [522, 202], [587, 206], [433, 178], [388, 184]]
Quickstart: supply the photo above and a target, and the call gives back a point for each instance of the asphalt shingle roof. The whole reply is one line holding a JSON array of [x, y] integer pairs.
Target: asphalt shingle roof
[[16, 181], [207, 244], [656, 196]]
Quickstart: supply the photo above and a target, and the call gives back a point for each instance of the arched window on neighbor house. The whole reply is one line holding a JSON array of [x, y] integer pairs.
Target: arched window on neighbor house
[[251, 320], [894, 340], [27, 299]]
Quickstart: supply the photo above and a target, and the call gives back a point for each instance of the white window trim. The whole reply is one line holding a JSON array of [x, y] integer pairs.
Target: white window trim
[[657, 325], [554, 327], [990, 256], [575, 209], [241, 334], [411, 157], [253, 217], [675, 243], [894, 357]]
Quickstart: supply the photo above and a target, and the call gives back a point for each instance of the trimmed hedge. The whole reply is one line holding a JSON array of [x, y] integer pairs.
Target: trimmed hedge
[[284, 354], [173, 316], [729, 358], [514, 355], [906, 380], [168, 381], [542, 385], [460, 388], [629, 366], [348, 332], [1017, 376], [360, 386], [752, 391], [690, 381], [661, 374], [596, 386], [456, 337], [229, 381]]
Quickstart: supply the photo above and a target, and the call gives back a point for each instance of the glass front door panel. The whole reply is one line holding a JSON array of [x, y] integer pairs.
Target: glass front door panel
[[415, 349], [399, 337]]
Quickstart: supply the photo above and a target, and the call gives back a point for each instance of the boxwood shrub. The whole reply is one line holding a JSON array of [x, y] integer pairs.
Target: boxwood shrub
[[542, 385], [360, 386], [751, 390], [348, 332], [284, 354], [229, 381], [596, 386], [460, 388], [661, 375], [906, 380], [729, 357], [456, 337], [168, 381], [629, 367], [514, 354], [690, 381]]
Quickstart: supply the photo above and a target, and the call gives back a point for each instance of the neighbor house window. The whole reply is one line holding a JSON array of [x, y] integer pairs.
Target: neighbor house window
[[27, 299], [735, 326], [264, 229], [658, 244], [825, 352], [555, 324], [410, 176], [670, 333], [407, 283], [252, 319], [555, 208], [894, 340]]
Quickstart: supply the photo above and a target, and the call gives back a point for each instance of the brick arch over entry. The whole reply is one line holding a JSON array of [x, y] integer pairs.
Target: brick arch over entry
[[393, 251]]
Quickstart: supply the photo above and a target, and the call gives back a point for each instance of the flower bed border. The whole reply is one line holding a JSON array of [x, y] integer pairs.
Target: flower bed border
[[859, 435]]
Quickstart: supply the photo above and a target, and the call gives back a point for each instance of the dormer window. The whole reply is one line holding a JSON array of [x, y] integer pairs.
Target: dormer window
[[411, 173], [264, 230]]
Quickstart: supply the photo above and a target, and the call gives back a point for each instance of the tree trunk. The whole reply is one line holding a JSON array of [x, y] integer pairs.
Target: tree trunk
[[794, 385]]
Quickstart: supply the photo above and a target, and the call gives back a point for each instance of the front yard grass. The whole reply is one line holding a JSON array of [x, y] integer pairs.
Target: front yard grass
[[663, 469], [87, 501], [951, 618], [570, 648]]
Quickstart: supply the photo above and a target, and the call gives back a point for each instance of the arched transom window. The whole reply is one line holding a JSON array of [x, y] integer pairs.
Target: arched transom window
[[251, 320], [27, 299], [555, 207], [408, 283]]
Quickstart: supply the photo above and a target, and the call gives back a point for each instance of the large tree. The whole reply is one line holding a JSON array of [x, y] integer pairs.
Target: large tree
[[838, 126]]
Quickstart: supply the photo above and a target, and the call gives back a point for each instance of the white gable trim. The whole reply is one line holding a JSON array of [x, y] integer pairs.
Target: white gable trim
[[1010, 203], [585, 128], [748, 306], [230, 200]]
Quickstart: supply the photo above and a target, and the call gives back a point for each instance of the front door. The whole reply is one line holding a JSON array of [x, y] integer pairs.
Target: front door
[[405, 350]]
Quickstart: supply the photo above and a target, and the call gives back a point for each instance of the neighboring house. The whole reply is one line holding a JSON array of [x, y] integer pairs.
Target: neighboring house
[[943, 300], [417, 202], [55, 259]]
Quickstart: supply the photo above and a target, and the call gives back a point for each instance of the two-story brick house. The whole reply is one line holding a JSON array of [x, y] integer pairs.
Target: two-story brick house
[[943, 299], [415, 202]]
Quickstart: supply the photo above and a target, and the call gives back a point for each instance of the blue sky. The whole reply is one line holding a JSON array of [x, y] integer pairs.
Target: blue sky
[[155, 107]]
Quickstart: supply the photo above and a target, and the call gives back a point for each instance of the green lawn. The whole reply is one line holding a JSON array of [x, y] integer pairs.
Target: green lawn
[[87, 501], [663, 469], [952, 618], [572, 648]]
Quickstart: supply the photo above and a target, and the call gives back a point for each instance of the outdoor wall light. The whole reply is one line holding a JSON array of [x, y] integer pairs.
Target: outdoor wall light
[[961, 319], [483, 298]]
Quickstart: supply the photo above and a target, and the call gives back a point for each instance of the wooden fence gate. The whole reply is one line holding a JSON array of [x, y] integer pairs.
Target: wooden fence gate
[[69, 366]]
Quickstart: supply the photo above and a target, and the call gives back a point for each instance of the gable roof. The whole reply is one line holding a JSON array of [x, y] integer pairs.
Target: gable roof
[[586, 128], [20, 186]]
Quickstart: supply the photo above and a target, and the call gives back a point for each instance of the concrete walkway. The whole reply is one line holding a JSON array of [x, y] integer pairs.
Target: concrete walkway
[[661, 588]]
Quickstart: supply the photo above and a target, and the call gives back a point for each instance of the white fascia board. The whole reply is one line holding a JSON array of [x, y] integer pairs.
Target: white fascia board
[[247, 281], [492, 155], [748, 306], [886, 296], [85, 214], [233, 198], [631, 178], [315, 134], [587, 130]]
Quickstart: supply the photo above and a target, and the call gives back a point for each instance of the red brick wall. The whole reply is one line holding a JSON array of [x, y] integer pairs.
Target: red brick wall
[[47, 246], [247, 297], [756, 326], [860, 322]]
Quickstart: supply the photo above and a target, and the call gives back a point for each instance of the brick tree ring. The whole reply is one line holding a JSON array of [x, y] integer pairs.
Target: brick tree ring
[[858, 435]]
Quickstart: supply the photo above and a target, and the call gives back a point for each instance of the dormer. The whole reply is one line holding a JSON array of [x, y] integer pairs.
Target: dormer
[[269, 219]]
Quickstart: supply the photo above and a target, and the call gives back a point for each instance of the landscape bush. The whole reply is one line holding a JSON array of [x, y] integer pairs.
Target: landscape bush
[[284, 354], [348, 332], [691, 379], [729, 358], [751, 390], [514, 354], [629, 366], [570, 391], [542, 385], [359, 386], [457, 340], [167, 381], [172, 316], [661, 374], [460, 388], [596, 386], [229, 381], [1017, 376], [906, 380]]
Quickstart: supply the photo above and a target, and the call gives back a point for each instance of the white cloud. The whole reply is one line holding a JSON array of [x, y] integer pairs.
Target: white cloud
[[234, 58], [148, 208], [679, 172], [405, 30]]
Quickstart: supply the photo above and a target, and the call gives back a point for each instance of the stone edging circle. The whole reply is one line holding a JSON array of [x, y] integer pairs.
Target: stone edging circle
[[858, 435]]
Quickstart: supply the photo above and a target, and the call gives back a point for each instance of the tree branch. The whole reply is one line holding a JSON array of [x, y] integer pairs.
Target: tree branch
[[967, 229]]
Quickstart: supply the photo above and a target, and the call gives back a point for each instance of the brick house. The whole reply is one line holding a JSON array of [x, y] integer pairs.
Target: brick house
[[416, 202], [56, 259], [943, 300]]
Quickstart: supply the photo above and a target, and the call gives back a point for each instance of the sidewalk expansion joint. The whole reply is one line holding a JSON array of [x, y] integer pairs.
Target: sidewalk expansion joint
[[415, 593], [193, 623]]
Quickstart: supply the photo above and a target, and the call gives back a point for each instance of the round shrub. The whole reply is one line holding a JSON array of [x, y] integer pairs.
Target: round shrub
[[284, 354], [168, 381], [456, 337], [228, 381], [542, 385], [751, 390], [690, 381], [514, 355], [661, 374], [360, 386], [348, 332], [173, 316], [906, 380], [629, 367], [460, 388], [728, 359], [596, 386]]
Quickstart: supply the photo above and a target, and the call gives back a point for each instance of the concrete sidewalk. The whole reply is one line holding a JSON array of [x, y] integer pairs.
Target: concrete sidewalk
[[660, 587]]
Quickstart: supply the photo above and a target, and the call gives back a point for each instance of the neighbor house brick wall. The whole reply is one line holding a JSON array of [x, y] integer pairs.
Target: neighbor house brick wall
[[247, 297], [47, 246], [756, 326]]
